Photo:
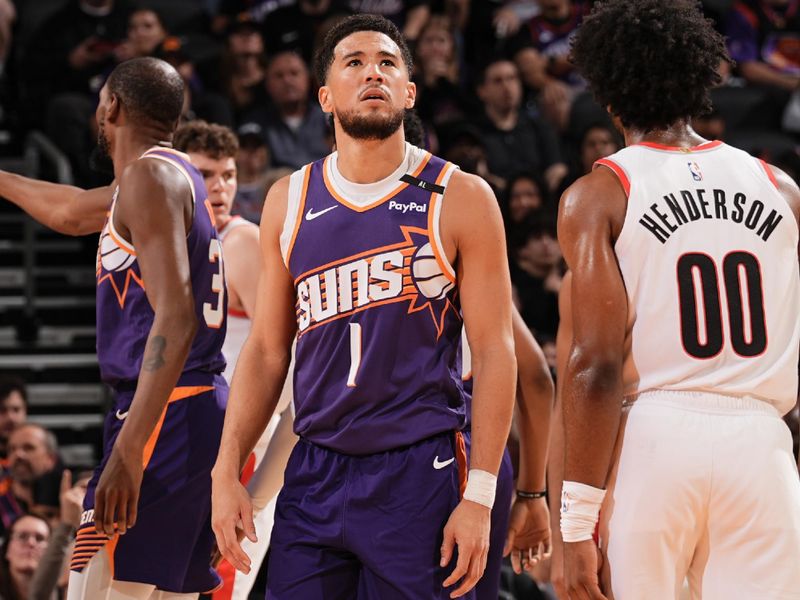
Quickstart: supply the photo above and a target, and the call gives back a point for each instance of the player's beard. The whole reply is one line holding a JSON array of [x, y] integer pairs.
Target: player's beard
[[100, 158], [370, 127]]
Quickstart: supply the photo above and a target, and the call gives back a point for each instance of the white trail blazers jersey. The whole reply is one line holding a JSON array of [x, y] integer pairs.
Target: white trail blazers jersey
[[708, 254]]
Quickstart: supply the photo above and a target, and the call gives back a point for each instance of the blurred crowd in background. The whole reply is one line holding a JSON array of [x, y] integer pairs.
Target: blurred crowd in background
[[497, 95]]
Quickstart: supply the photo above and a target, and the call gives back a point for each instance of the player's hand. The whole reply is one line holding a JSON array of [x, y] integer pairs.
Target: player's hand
[[231, 508], [468, 529], [581, 566], [117, 495], [528, 539]]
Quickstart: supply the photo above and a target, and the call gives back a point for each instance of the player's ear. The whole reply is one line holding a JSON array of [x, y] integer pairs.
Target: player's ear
[[411, 95], [325, 99], [114, 108]]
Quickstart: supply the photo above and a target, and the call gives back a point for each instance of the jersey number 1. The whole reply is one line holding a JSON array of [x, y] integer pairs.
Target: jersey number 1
[[745, 306]]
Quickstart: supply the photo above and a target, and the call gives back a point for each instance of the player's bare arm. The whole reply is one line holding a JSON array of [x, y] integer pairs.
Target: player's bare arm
[[555, 459], [63, 208], [257, 383], [791, 192], [152, 212], [589, 221], [473, 238], [242, 267], [529, 526]]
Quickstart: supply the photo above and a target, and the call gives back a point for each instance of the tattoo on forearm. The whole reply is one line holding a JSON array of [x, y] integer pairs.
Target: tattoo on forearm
[[155, 360]]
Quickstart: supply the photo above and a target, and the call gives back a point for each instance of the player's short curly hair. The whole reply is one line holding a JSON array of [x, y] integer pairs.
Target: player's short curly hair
[[652, 62], [149, 89], [323, 59], [210, 139]]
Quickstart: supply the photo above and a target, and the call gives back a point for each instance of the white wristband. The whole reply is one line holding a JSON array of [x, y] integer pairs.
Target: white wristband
[[481, 486], [580, 509]]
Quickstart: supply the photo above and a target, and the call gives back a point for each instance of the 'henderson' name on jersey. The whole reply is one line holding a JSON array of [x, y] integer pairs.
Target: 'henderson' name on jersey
[[664, 217]]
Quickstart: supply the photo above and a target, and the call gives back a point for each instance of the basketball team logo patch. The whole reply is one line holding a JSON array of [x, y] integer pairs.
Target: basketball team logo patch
[[408, 271]]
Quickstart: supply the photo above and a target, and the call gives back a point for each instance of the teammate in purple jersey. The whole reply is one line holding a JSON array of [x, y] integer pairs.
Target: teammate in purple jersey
[[370, 266], [520, 520], [160, 327]]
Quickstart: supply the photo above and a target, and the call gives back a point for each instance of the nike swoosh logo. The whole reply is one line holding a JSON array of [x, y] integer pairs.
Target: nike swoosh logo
[[311, 215], [443, 464], [121, 415]]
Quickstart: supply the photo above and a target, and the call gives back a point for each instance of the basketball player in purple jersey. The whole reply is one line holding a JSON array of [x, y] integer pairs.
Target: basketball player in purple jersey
[[685, 297], [160, 326], [370, 266], [520, 521]]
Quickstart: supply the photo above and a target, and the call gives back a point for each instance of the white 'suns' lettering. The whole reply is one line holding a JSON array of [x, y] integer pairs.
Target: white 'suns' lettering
[[87, 516], [410, 207], [353, 285]]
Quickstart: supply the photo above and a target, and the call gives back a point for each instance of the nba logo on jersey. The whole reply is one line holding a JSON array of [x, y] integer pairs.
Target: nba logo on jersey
[[694, 169]]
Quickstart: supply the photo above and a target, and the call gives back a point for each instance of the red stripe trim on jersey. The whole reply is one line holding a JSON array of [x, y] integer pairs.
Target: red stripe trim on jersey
[[237, 313], [770, 173], [618, 171], [299, 216], [391, 194], [703, 146]]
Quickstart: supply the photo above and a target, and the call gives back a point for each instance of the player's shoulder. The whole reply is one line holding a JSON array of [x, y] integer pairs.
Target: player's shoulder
[[469, 189], [594, 192], [788, 188], [242, 234], [151, 174]]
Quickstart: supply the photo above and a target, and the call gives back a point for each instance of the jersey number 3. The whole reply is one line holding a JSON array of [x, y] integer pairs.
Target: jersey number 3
[[215, 316], [748, 328]]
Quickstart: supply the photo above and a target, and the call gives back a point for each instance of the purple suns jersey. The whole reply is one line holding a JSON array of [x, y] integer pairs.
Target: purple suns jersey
[[376, 303], [124, 315]]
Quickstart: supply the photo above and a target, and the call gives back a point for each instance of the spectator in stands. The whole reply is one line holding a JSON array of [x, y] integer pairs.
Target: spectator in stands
[[541, 50], [762, 39], [294, 127], [146, 32], [32, 456], [256, 173], [52, 572], [8, 15], [409, 15], [64, 66], [536, 273], [597, 141], [297, 26], [526, 194], [465, 146], [13, 411], [243, 67], [515, 140], [199, 103], [20, 555], [441, 97]]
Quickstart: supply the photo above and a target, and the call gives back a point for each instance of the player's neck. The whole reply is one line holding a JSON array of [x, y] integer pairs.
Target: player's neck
[[361, 161], [680, 135], [127, 149]]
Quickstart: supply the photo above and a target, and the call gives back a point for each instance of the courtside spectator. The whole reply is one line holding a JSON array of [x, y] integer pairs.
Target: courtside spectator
[[294, 127], [255, 172], [515, 140], [32, 459], [20, 555], [13, 410]]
